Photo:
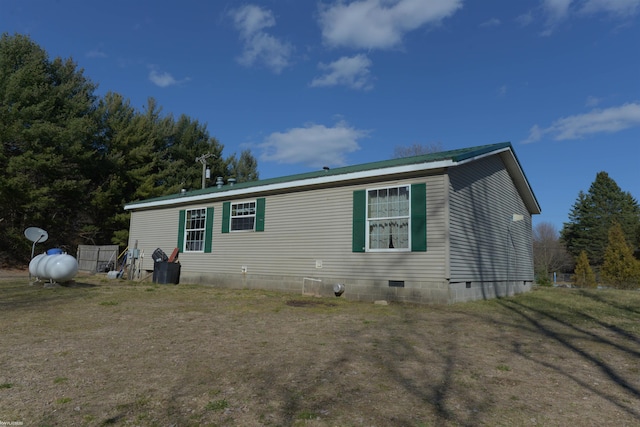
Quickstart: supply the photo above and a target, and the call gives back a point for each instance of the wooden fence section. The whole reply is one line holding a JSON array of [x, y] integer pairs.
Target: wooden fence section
[[98, 259]]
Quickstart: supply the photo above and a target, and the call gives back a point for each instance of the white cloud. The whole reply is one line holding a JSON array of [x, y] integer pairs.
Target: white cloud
[[592, 101], [260, 46], [525, 19], [556, 11], [163, 79], [380, 24], [493, 22], [96, 53], [352, 72], [609, 120], [252, 19], [312, 145], [502, 91], [620, 8]]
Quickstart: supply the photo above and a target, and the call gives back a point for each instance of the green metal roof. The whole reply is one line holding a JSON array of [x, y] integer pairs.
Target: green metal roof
[[455, 156]]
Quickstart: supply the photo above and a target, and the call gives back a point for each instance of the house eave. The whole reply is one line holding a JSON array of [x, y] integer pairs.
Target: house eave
[[372, 171], [516, 172], [293, 185]]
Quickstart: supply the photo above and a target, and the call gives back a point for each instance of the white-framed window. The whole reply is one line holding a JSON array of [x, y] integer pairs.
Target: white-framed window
[[243, 216], [195, 223], [389, 219]]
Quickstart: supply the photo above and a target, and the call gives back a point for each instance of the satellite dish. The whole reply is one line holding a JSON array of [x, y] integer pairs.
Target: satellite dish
[[36, 234]]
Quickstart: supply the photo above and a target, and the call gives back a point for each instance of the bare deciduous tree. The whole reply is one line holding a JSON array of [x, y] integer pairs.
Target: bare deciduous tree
[[549, 254], [416, 149]]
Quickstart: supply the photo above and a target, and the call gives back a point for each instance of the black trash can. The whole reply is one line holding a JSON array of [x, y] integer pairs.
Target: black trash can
[[166, 273]]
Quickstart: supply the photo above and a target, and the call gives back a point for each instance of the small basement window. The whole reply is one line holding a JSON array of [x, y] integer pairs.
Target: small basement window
[[396, 283]]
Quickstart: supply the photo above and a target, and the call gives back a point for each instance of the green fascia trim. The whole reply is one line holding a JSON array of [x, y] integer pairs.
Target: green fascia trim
[[469, 153], [453, 155]]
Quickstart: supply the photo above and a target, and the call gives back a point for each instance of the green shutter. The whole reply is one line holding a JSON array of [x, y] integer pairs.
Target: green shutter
[[226, 214], [208, 230], [359, 220], [260, 206], [181, 224], [418, 217]]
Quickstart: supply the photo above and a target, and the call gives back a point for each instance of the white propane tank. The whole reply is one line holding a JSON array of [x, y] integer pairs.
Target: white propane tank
[[58, 267]]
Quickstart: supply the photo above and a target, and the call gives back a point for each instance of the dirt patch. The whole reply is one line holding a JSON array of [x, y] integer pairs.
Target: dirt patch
[[120, 353]]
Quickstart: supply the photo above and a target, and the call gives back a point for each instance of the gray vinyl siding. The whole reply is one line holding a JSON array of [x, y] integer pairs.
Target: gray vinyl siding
[[303, 230], [486, 246], [474, 249], [153, 229]]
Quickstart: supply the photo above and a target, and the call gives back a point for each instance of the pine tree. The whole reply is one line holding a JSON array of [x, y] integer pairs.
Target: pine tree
[[245, 168], [70, 160], [583, 276], [620, 269], [594, 213], [46, 128]]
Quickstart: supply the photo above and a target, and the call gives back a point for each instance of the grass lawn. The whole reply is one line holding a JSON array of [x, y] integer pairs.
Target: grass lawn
[[109, 352]]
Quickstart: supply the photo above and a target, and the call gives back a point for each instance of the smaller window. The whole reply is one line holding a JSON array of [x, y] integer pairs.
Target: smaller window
[[195, 222], [243, 216]]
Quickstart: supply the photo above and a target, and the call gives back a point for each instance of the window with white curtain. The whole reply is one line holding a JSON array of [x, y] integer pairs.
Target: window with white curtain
[[388, 216]]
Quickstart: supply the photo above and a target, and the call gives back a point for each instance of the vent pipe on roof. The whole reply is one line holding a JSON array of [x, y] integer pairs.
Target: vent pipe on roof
[[231, 181], [219, 182]]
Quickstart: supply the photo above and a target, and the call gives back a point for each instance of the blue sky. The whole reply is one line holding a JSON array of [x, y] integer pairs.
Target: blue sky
[[306, 84]]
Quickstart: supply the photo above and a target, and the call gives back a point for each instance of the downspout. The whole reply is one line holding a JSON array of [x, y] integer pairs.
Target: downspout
[[447, 231]]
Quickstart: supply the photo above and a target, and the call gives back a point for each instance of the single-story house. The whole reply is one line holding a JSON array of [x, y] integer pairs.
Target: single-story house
[[437, 228]]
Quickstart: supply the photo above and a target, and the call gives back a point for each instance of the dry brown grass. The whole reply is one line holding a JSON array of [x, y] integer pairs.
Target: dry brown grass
[[121, 353]]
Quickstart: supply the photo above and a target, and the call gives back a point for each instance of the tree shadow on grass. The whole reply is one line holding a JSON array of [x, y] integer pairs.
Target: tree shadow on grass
[[368, 373], [437, 388], [551, 326]]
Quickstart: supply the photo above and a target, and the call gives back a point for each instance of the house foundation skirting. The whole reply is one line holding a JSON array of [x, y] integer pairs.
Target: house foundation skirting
[[353, 289]]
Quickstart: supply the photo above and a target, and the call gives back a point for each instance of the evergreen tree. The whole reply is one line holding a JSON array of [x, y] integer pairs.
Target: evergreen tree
[[593, 214], [620, 268], [71, 161], [583, 276], [122, 156], [187, 140], [46, 128], [245, 168], [144, 155]]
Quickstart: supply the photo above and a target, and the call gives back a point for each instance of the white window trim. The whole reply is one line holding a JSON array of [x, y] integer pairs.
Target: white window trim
[[231, 217], [367, 219], [186, 230]]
